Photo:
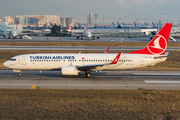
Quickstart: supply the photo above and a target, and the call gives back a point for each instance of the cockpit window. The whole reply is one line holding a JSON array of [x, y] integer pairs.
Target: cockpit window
[[12, 59]]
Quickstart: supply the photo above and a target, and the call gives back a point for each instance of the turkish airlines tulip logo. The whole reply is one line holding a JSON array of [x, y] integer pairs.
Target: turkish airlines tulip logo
[[158, 46]]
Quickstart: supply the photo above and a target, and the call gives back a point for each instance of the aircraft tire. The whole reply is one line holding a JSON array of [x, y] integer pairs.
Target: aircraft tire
[[20, 74], [88, 75]]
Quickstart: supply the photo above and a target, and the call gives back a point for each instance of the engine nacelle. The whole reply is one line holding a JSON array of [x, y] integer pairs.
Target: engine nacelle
[[69, 71], [4, 35], [98, 37], [77, 37]]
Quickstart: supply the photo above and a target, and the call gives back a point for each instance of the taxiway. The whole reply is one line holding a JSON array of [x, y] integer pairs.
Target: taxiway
[[153, 80], [73, 39], [76, 48]]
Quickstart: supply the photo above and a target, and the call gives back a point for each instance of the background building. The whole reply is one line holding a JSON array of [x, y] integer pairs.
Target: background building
[[69, 21], [9, 19], [33, 20], [6, 28], [90, 18], [63, 22]]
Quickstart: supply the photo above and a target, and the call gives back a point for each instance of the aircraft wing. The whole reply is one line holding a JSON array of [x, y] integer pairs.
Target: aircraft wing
[[92, 66], [72, 33], [95, 35], [8, 33]]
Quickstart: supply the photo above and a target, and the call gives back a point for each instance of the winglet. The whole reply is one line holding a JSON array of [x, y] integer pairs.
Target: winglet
[[106, 51], [115, 61]]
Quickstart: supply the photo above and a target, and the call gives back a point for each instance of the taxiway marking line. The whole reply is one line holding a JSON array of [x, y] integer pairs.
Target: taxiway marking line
[[69, 85], [164, 74], [160, 81]]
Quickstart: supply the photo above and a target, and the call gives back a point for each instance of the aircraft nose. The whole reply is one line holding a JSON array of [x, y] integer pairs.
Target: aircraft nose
[[5, 64]]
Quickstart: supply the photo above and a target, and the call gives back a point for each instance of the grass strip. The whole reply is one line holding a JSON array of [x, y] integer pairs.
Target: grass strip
[[89, 104]]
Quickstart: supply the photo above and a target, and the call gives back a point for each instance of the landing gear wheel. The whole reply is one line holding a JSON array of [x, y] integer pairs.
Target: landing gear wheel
[[88, 74], [20, 74]]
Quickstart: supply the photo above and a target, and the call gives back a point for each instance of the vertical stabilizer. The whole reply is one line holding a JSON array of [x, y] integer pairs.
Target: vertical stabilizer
[[159, 43]]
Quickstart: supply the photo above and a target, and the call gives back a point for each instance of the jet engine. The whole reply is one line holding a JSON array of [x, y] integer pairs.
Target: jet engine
[[4, 35], [77, 37], [98, 37], [69, 71]]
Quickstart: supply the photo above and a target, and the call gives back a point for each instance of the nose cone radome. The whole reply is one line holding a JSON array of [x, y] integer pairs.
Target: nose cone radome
[[5, 64]]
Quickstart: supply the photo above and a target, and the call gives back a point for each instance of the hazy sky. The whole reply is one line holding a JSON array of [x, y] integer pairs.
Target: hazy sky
[[127, 10]]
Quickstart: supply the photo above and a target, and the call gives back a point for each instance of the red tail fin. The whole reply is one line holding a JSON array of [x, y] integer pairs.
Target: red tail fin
[[70, 28], [86, 27], [135, 24], [159, 43]]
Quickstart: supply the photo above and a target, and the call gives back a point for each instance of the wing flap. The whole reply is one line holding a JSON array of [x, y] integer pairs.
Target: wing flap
[[92, 66]]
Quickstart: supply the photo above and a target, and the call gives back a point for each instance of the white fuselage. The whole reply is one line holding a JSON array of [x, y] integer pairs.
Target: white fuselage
[[88, 34], [14, 33], [56, 61]]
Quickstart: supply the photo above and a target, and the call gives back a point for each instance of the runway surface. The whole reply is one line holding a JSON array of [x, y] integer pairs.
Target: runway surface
[[153, 80], [73, 39], [76, 48]]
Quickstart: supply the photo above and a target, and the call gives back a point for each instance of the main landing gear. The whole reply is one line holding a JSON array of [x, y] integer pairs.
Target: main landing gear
[[20, 74], [88, 74]]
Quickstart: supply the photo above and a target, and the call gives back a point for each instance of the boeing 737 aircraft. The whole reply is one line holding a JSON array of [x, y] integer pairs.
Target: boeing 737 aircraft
[[73, 64]]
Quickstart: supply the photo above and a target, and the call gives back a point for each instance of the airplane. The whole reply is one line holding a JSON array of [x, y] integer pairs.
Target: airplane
[[43, 32], [141, 26], [68, 30], [87, 34], [72, 64], [16, 33], [125, 25], [114, 25]]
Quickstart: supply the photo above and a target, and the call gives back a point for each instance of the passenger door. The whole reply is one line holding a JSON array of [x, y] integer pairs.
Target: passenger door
[[24, 61], [141, 60]]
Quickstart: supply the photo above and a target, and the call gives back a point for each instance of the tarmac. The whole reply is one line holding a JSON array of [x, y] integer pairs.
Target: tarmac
[[77, 48], [148, 80], [73, 39]]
